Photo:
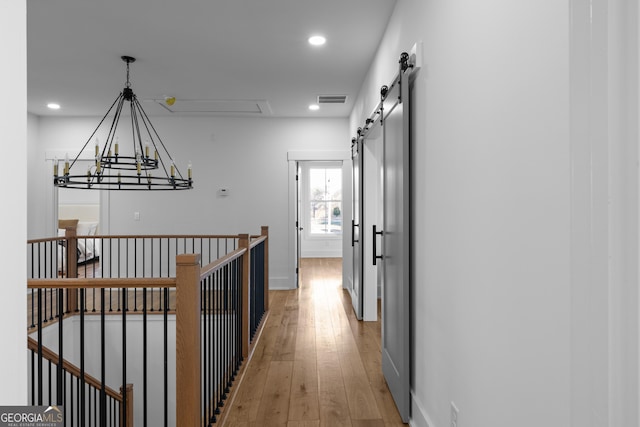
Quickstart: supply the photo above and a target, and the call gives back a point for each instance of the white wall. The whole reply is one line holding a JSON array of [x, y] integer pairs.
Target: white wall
[[13, 122], [37, 219], [246, 156], [501, 317]]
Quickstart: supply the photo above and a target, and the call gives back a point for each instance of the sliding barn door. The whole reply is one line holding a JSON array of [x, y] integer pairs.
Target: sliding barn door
[[396, 243], [356, 222]]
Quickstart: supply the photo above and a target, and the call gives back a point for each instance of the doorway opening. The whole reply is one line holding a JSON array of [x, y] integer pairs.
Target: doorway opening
[[318, 206], [321, 209]]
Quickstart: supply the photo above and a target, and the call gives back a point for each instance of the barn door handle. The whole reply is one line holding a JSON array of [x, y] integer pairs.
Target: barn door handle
[[353, 232], [375, 245]]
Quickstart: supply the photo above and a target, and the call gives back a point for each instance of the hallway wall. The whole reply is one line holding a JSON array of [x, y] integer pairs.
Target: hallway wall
[[510, 217], [13, 121], [248, 156]]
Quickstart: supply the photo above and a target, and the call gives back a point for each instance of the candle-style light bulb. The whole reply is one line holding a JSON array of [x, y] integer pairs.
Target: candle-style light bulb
[[116, 147], [189, 170], [138, 165], [146, 149], [55, 167], [66, 164], [173, 169]]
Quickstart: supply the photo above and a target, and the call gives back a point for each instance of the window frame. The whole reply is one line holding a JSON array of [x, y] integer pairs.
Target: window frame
[[305, 202]]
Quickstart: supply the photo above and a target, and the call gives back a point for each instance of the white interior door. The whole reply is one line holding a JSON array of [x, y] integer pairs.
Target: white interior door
[[396, 245], [299, 227]]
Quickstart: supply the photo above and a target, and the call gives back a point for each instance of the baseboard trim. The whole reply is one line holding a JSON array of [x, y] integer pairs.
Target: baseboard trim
[[281, 283], [419, 416]]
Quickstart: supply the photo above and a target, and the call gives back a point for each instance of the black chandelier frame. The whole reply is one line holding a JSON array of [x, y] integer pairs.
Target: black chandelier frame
[[112, 171]]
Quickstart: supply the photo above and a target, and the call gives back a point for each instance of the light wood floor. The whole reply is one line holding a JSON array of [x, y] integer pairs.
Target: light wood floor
[[315, 363]]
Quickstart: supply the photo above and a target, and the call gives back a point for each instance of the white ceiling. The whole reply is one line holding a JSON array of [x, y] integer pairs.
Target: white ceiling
[[201, 50]]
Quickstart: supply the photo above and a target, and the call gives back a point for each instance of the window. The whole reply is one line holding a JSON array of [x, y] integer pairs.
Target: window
[[325, 200]]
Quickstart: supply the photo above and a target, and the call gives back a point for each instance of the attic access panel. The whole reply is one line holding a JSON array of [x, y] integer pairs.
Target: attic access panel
[[257, 107]]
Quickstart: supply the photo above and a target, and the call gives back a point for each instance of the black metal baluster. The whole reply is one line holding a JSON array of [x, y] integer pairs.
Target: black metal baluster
[[103, 359], [39, 346], [135, 273], [235, 318], [49, 381], [33, 311], [220, 348], [152, 271], [213, 345], [225, 285], [144, 356], [110, 274], [72, 412], [124, 352], [33, 378], [240, 306], [87, 403], [119, 275], [204, 342], [166, 356], [81, 390], [64, 397]]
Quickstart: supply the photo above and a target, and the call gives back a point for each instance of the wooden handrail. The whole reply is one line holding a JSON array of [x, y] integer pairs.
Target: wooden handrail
[[52, 357], [255, 241], [45, 239], [167, 236], [145, 236], [141, 236], [97, 283], [220, 262]]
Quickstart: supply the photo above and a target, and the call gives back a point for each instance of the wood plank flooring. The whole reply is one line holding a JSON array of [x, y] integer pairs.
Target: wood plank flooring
[[315, 364]]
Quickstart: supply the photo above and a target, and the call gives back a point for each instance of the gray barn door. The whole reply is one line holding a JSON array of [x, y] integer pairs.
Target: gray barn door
[[356, 234], [396, 244]]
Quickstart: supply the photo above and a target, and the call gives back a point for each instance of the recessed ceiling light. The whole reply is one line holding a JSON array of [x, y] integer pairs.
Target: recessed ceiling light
[[53, 106], [317, 40], [314, 107]]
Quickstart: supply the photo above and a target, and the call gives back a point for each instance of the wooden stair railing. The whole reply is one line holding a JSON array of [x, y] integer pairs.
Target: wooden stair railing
[[52, 357], [188, 313]]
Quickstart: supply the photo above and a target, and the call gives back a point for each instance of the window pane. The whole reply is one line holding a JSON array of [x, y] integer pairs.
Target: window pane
[[325, 189]]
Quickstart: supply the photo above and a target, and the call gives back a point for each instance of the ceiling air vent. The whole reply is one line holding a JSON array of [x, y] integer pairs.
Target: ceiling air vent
[[332, 99]]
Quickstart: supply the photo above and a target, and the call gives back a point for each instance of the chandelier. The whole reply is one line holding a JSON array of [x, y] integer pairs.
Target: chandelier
[[136, 165]]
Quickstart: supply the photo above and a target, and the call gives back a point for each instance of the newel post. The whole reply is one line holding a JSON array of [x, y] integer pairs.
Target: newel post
[[246, 277], [188, 320], [265, 232], [127, 400], [70, 262]]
